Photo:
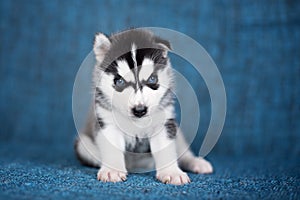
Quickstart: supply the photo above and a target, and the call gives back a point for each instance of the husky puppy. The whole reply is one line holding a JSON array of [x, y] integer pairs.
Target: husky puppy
[[132, 124]]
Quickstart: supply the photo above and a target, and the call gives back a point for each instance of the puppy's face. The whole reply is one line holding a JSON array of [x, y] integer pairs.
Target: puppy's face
[[135, 72]]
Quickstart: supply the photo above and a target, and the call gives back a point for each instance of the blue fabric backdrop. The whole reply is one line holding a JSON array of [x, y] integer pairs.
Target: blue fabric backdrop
[[255, 44]]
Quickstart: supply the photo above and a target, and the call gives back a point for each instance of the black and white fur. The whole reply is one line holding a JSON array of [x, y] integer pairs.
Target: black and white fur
[[132, 125]]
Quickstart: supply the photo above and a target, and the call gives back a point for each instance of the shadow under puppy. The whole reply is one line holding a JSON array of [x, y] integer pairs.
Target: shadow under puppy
[[132, 124]]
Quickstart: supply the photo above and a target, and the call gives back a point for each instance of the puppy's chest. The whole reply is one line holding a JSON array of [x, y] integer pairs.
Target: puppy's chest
[[137, 145]]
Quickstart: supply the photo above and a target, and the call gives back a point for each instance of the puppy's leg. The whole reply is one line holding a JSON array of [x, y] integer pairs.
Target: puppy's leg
[[164, 152], [187, 161], [111, 144]]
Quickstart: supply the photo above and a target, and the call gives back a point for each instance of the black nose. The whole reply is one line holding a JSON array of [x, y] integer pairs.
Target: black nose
[[139, 110]]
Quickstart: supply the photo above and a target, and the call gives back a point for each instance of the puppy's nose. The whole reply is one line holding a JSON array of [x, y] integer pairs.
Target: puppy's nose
[[139, 110]]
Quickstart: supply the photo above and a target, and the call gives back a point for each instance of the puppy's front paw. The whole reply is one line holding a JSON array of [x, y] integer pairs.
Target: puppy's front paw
[[111, 175], [201, 166], [175, 177]]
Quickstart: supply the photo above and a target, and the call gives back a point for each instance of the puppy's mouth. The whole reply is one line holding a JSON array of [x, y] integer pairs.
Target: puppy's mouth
[[134, 118]]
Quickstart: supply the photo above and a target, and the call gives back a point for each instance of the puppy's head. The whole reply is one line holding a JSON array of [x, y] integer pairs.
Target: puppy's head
[[133, 71]]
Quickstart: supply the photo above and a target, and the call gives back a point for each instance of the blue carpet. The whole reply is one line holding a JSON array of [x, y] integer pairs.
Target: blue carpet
[[41, 171]]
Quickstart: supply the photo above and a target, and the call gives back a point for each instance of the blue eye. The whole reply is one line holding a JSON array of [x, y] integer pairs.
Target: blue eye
[[120, 82], [152, 79]]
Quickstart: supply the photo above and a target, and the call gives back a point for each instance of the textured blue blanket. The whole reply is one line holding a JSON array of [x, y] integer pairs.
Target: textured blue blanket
[[53, 173]]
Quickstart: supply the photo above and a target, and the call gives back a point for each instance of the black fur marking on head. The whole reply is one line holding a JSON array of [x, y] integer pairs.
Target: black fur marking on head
[[128, 57], [112, 68], [146, 43], [171, 128], [141, 145], [101, 100], [154, 54]]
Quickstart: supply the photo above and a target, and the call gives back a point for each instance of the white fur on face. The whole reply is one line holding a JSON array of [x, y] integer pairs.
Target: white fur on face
[[133, 54], [147, 69], [137, 98], [121, 100], [124, 71]]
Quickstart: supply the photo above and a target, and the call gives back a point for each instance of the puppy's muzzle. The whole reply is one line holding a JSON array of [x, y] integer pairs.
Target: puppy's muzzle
[[139, 110]]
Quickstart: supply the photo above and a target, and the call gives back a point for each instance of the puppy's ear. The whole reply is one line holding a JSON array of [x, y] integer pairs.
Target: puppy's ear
[[164, 44], [101, 46]]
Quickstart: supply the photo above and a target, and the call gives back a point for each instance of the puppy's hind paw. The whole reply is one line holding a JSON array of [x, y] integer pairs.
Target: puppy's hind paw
[[201, 166]]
